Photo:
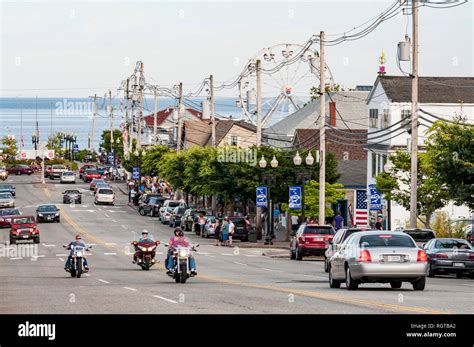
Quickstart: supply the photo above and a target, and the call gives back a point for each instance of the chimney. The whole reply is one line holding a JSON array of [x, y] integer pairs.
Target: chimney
[[332, 113]]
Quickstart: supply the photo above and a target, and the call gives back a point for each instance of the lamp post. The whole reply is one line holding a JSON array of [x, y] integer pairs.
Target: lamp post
[[388, 168], [269, 178], [303, 174]]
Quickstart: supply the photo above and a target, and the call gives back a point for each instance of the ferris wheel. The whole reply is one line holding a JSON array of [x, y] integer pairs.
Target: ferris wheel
[[288, 71]]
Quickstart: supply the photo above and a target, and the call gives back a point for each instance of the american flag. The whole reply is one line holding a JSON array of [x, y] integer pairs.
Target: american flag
[[361, 215]]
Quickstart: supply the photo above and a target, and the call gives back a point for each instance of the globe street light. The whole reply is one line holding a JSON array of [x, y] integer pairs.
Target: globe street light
[[388, 167], [269, 178]]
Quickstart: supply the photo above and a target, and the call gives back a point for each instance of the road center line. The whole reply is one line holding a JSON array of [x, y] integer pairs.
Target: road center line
[[272, 270], [61, 259], [105, 214], [227, 254], [113, 220], [110, 253], [62, 255], [124, 227], [236, 262], [165, 299], [103, 281], [16, 258], [128, 288], [110, 243]]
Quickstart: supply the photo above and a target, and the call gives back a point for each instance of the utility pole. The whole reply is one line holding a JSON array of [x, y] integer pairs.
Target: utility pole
[[141, 86], [180, 122], [414, 117], [111, 117], [322, 133], [94, 111], [155, 116], [127, 126], [213, 118], [259, 104]]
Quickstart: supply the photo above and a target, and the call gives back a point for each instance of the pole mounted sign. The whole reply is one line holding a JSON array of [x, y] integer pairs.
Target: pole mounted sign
[[262, 196], [295, 198]]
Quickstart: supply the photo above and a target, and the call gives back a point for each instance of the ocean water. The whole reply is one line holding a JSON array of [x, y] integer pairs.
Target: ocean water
[[18, 116]]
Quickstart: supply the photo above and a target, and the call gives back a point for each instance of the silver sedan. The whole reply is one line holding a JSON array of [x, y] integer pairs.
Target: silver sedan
[[7, 200], [378, 257]]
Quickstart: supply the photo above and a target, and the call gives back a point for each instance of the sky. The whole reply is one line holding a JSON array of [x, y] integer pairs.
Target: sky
[[76, 49]]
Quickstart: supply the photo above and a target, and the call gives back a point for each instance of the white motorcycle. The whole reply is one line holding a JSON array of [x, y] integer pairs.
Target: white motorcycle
[[76, 266], [181, 256]]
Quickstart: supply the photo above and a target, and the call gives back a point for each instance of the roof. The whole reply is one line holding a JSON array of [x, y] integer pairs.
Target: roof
[[450, 90], [351, 105], [353, 173], [224, 126], [309, 138], [167, 112]]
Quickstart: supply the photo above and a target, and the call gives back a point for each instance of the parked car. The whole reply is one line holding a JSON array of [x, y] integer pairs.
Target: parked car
[[48, 213], [104, 196], [7, 200], [91, 174], [152, 207], [470, 237], [340, 236], [165, 214], [187, 220], [5, 216], [83, 169], [3, 173], [72, 195], [145, 198], [47, 171], [24, 228], [20, 169], [378, 257], [210, 226], [176, 214], [57, 170], [310, 239], [241, 231], [94, 183], [68, 177], [8, 188], [421, 236], [171, 203], [450, 255]]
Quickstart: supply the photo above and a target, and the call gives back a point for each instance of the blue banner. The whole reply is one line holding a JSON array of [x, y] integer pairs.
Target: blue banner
[[262, 196], [375, 202], [295, 198], [136, 173]]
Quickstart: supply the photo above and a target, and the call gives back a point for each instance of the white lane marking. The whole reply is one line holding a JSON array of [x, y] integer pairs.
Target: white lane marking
[[62, 255], [110, 244], [110, 253], [159, 253], [111, 211], [209, 256], [124, 227], [16, 258], [264, 268], [128, 288], [314, 276], [38, 256], [105, 214], [204, 253], [45, 245], [61, 259], [76, 210], [469, 285], [227, 254], [113, 220], [249, 255], [103, 281], [165, 299], [236, 262]]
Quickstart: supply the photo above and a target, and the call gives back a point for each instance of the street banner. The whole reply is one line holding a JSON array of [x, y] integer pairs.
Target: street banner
[[136, 173], [295, 198], [261, 196], [375, 201]]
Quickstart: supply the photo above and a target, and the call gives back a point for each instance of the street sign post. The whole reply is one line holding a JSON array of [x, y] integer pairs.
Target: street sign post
[[262, 196], [295, 198]]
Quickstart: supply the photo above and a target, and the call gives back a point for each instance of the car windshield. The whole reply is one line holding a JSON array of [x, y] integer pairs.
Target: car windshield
[[420, 235], [313, 229], [386, 240], [10, 212], [6, 187], [92, 172], [5, 196], [23, 220], [47, 208], [72, 192], [452, 244], [98, 181], [59, 167], [173, 203], [68, 173], [106, 191], [349, 232]]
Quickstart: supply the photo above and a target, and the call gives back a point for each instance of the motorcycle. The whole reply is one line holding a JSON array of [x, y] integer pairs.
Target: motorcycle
[[145, 253], [76, 267], [181, 256]]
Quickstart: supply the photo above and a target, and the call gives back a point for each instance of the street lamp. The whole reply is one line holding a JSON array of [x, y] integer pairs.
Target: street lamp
[[388, 167], [269, 178], [303, 174]]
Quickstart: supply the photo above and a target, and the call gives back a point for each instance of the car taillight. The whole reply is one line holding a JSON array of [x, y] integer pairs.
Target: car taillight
[[471, 256], [422, 257], [364, 256], [441, 255]]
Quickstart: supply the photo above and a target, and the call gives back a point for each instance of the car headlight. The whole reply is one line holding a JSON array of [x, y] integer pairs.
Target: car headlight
[[57, 214], [40, 215]]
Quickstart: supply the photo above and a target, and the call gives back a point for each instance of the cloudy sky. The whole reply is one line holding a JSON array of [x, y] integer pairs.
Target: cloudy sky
[[67, 48]]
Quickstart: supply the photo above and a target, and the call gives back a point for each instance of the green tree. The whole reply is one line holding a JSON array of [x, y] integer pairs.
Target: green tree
[[395, 185], [117, 146], [10, 145], [450, 148], [54, 142], [152, 158]]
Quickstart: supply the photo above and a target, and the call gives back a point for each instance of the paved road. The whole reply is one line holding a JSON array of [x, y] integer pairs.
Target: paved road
[[229, 280]]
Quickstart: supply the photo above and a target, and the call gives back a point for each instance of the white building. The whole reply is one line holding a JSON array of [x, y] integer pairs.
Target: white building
[[389, 113]]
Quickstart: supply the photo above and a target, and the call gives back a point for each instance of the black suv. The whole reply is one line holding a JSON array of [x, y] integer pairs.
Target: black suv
[[421, 236], [151, 206]]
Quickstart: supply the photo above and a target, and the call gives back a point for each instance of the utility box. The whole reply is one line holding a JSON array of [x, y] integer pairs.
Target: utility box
[[404, 51]]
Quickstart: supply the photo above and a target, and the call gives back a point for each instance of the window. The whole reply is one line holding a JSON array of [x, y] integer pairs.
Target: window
[[386, 240], [406, 118], [234, 140], [383, 161], [373, 117], [385, 118]]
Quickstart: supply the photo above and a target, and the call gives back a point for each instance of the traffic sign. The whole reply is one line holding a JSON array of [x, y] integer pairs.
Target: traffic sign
[[75, 148], [295, 198], [261, 196]]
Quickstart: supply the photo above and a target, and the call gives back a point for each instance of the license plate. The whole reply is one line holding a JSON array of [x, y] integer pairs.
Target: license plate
[[25, 236], [393, 258], [458, 264]]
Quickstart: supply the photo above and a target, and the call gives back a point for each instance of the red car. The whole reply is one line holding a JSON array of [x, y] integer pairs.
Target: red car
[[6, 215], [20, 169], [94, 183], [311, 239], [90, 174], [83, 169], [24, 228]]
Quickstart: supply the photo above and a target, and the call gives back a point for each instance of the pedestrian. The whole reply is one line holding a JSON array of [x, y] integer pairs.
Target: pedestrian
[[217, 231], [294, 223], [379, 224], [225, 232], [201, 221], [338, 221], [231, 231], [132, 195]]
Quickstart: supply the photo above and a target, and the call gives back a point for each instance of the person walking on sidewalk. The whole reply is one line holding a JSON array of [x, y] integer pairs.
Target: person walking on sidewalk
[[225, 232], [231, 231], [294, 223], [217, 231]]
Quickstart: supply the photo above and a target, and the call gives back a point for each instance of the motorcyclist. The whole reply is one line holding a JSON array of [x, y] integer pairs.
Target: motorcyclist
[[170, 247], [78, 242], [180, 241], [143, 239]]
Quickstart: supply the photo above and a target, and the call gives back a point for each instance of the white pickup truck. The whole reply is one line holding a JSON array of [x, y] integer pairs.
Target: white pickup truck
[[57, 170]]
